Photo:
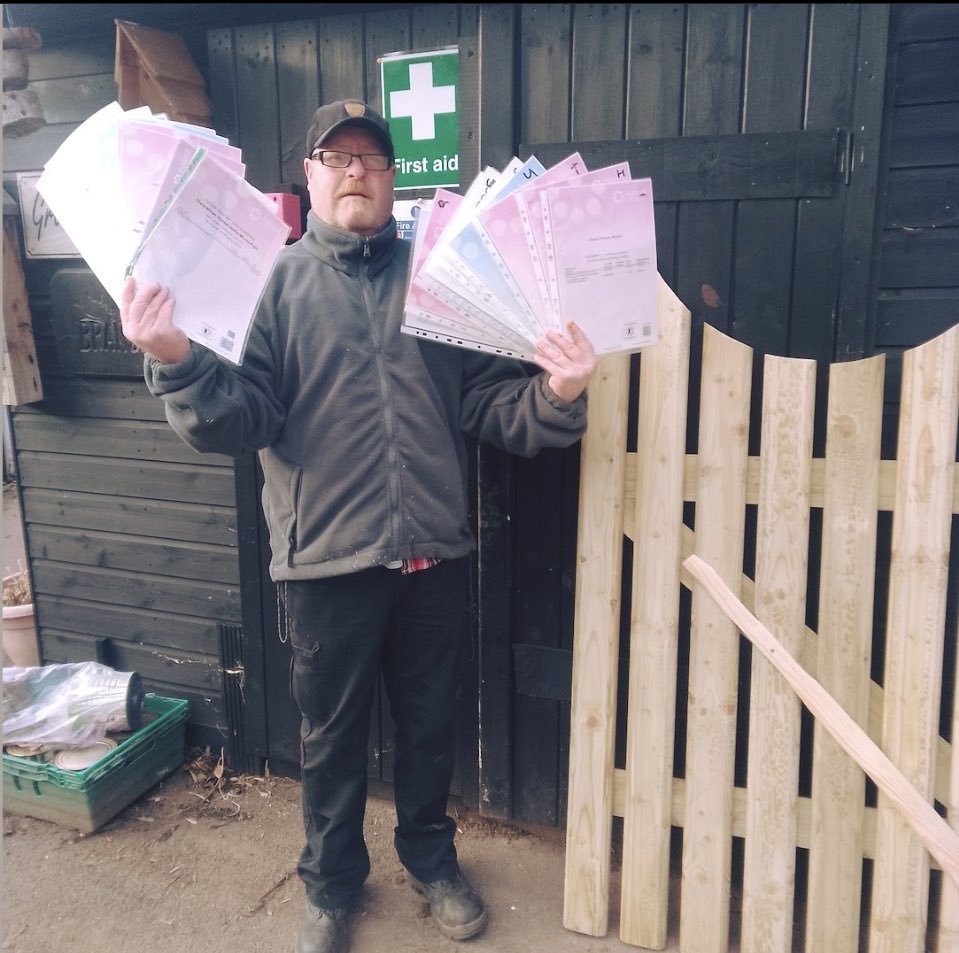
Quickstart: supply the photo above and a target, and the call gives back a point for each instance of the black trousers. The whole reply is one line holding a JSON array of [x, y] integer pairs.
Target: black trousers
[[345, 631]]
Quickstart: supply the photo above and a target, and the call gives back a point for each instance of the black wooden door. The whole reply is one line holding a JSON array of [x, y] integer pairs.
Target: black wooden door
[[765, 209], [759, 125]]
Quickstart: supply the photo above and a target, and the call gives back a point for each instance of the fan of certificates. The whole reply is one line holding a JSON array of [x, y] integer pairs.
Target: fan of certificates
[[528, 249], [168, 202]]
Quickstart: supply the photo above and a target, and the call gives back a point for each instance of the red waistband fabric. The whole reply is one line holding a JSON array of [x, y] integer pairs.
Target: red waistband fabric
[[416, 563]]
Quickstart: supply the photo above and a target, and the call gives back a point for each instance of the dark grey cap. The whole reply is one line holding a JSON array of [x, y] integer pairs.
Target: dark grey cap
[[330, 118]]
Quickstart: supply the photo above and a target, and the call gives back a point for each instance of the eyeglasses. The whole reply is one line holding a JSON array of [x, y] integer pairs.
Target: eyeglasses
[[372, 161]]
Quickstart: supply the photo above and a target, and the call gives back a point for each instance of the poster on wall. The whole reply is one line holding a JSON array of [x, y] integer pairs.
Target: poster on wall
[[421, 104], [406, 212]]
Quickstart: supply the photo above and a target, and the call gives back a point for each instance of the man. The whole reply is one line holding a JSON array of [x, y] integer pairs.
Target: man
[[361, 434]]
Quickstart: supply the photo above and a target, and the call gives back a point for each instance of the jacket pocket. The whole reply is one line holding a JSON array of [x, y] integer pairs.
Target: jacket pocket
[[292, 528]]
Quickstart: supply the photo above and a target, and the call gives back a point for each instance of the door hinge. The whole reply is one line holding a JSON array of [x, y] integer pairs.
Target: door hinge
[[846, 157]]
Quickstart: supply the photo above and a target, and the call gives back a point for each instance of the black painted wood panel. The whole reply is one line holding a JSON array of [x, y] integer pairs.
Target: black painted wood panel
[[925, 258], [923, 198], [925, 135], [130, 624], [258, 133], [906, 321], [927, 71], [545, 55], [134, 589], [297, 84]]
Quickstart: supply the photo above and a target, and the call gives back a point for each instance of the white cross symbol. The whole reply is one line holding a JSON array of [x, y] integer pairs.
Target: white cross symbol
[[422, 102]]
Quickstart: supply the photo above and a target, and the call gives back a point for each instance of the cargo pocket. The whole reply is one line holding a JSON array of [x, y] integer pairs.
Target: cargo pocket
[[306, 677]]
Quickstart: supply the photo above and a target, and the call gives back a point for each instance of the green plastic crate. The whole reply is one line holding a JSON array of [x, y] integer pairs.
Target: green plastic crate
[[87, 799]]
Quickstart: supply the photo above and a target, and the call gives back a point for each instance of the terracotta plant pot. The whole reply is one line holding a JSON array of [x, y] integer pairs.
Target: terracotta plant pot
[[19, 634]]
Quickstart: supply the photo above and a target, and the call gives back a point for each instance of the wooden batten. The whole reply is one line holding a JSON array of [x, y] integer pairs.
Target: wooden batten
[[22, 113], [21, 373], [16, 69], [154, 68]]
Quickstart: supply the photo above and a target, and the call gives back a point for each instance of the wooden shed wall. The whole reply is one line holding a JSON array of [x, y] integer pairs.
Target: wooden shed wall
[[131, 536], [98, 465], [916, 288]]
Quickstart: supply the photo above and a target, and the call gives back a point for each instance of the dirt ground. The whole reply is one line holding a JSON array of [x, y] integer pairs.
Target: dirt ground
[[208, 863]]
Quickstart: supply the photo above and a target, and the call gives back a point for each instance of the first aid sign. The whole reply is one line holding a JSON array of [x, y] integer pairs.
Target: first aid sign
[[421, 104]]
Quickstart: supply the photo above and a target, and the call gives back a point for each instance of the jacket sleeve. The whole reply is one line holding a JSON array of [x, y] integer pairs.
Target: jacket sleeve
[[217, 407], [506, 407]]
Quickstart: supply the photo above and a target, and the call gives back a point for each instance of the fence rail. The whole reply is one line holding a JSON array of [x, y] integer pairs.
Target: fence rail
[[809, 827]]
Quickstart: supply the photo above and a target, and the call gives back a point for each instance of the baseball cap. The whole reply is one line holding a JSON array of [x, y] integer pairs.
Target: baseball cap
[[353, 112]]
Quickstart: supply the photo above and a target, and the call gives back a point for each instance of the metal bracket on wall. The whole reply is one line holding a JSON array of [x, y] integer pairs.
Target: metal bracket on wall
[[233, 671]]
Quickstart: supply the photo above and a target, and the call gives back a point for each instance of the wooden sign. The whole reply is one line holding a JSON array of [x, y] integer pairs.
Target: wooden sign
[[86, 325], [43, 237]]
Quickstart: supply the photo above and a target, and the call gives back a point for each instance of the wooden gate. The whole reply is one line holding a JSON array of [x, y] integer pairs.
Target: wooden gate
[[804, 847]]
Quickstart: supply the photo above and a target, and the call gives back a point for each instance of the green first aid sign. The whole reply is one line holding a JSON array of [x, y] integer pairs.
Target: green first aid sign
[[421, 103]]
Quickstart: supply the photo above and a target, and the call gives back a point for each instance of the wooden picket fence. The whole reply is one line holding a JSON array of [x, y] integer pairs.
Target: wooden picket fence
[[832, 870]]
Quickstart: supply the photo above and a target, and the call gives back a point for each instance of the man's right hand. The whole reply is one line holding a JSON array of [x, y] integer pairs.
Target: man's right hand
[[146, 315]]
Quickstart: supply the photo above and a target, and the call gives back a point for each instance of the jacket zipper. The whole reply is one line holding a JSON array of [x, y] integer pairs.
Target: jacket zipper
[[389, 419]]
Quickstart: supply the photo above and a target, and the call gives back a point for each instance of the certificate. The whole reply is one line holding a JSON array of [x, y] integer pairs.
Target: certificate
[[214, 246], [524, 252], [167, 202], [603, 261]]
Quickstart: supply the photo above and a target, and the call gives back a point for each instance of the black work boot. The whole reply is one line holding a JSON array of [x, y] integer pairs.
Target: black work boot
[[457, 908], [323, 931]]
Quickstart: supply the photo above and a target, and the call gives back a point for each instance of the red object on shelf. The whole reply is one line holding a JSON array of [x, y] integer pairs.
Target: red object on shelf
[[290, 209]]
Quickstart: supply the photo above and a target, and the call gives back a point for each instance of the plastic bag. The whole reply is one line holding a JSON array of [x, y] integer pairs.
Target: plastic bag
[[71, 705]]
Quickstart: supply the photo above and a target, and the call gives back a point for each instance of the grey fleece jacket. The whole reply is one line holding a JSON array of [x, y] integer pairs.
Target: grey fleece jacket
[[360, 428]]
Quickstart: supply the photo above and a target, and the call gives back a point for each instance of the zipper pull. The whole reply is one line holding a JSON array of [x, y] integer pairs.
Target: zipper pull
[[366, 249]]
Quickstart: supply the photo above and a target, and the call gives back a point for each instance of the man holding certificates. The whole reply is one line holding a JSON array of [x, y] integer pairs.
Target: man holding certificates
[[362, 435]]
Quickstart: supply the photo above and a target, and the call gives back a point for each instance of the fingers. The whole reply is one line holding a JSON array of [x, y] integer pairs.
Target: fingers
[[146, 317], [556, 346], [571, 348], [146, 305], [575, 334], [568, 359]]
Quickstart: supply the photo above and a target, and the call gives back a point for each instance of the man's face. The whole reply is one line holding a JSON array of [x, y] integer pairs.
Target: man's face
[[353, 199]]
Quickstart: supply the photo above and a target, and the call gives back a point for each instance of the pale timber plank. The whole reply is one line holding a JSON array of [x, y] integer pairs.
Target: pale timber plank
[[595, 651], [915, 627], [21, 373], [714, 647], [782, 548], [803, 807], [847, 578], [947, 930], [654, 627], [915, 810], [809, 653], [887, 483]]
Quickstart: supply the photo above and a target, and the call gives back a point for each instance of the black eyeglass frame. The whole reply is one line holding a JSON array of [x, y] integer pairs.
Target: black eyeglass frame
[[318, 156]]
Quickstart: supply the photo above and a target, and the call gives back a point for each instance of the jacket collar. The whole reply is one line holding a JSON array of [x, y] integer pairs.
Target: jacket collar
[[347, 252]]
